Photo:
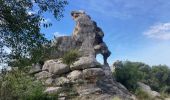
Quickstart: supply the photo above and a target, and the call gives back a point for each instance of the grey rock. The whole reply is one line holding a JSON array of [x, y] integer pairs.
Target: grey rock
[[84, 62], [51, 90], [148, 90], [93, 72], [49, 82], [61, 81], [75, 75], [87, 37], [43, 75], [56, 67]]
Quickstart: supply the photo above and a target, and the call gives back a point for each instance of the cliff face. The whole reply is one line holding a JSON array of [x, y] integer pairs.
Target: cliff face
[[85, 78]]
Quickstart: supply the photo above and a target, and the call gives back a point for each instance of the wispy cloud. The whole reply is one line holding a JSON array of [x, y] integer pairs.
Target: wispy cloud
[[125, 9], [58, 34], [159, 31]]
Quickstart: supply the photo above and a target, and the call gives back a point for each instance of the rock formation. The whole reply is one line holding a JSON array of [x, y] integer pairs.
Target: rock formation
[[87, 37], [85, 79]]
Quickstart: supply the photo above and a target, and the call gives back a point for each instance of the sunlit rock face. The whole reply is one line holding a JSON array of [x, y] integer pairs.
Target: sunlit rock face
[[87, 37], [85, 78]]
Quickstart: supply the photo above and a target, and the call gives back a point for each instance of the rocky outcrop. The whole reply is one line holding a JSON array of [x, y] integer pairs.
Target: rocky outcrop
[[87, 37], [85, 78], [148, 90]]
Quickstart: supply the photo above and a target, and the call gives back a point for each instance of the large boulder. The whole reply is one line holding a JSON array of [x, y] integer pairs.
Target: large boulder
[[84, 63], [93, 72], [148, 90], [75, 75], [56, 67]]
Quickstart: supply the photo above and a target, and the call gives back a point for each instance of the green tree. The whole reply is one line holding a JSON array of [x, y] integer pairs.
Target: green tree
[[128, 74], [159, 77], [20, 30]]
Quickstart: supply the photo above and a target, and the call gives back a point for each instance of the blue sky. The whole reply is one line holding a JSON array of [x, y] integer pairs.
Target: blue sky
[[135, 30]]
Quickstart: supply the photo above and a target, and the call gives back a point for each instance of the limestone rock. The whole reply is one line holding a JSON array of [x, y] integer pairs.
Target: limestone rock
[[43, 75], [87, 37], [49, 82], [148, 90], [75, 75], [93, 72], [97, 82], [84, 62], [51, 90], [56, 67], [60, 81]]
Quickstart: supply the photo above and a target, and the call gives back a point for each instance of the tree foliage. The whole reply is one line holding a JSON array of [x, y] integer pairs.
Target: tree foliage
[[20, 29], [129, 73]]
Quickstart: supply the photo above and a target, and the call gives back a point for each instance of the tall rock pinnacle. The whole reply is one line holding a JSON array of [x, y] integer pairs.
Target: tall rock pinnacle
[[87, 37]]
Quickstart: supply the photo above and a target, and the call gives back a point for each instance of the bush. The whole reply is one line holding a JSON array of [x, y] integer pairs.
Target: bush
[[17, 85], [70, 57], [128, 75]]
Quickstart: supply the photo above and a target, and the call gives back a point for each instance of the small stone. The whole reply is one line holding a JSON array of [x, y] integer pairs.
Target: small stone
[[43, 75], [61, 81], [51, 90], [49, 81]]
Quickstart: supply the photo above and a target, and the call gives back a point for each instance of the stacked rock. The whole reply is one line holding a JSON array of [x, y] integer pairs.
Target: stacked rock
[[89, 79]]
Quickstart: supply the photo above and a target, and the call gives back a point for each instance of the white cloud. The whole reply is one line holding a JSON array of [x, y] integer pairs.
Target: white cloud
[[159, 31], [58, 34]]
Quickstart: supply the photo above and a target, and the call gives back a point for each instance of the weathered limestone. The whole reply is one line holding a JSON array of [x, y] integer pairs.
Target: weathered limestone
[[75, 75], [56, 67], [148, 90], [87, 37], [84, 63], [51, 90], [87, 77], [43, 75]]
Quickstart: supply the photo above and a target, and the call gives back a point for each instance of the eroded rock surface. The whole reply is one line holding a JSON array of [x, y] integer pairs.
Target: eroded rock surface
[[85, 78], [87, 37]]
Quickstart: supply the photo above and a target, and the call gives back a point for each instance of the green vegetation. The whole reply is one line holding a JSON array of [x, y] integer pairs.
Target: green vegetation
[[157, 77], [17, 85], [128, 74], [70, 57], [20, 25]]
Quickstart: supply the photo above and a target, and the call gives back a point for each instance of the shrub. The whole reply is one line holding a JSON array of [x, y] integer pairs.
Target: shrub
[[128, 75], [70, 57], [17, 85]]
